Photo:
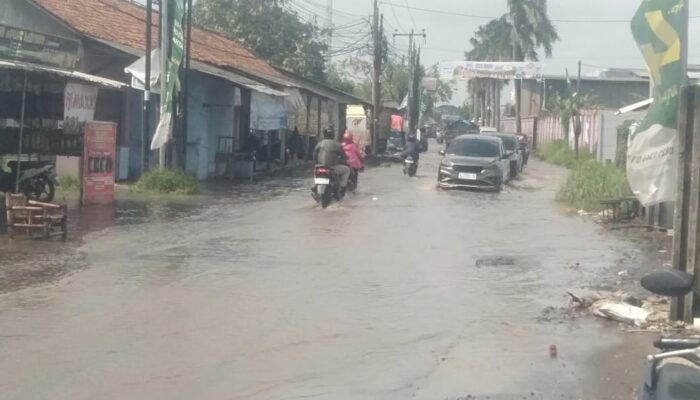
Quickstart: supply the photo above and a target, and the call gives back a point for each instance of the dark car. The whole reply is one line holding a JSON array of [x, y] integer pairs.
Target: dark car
[[474, 161], [460, 127], [512, 146], [524, 147]]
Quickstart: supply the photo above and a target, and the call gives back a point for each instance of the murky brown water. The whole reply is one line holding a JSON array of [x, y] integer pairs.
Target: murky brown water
[[254, 293]]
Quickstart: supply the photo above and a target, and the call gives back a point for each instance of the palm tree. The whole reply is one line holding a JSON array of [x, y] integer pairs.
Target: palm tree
[[491, 42], [531, 30]]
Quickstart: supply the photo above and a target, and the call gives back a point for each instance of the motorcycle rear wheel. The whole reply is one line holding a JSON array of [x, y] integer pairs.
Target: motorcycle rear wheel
[[326, 198]]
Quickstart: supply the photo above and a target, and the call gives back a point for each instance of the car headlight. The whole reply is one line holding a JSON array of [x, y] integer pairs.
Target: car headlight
[[446, 164]]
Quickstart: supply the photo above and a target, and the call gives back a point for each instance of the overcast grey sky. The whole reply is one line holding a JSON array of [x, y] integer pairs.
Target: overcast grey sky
[[598, 45]]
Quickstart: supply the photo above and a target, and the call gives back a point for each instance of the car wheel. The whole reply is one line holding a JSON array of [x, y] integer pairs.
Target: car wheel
[[499, 186]]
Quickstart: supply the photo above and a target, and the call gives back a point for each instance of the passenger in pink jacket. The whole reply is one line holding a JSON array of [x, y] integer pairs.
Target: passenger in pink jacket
[[352, 152], [354, 159]]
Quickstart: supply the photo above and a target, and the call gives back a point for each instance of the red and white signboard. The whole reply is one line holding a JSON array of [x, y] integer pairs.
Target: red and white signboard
[[100, 144]]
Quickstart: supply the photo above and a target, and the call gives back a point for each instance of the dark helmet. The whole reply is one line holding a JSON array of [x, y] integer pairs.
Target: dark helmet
[[411, 137], [328, 134]]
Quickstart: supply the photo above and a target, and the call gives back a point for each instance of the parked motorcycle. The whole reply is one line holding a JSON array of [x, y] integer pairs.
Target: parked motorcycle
[[37, 180], [326, 186], [673, 374], [410, 166]]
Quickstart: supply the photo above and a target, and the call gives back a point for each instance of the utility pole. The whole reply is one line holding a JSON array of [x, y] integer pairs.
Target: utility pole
[[412, 61], [577, 111], [415, 94], [163, 68], [329, 27], [377, 71], [517, 83], [411, 70], [686, 228], [146, 116], [186, 86], [578, 82]]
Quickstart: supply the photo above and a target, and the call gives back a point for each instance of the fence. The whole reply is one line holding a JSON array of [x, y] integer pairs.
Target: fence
[[544, 130]]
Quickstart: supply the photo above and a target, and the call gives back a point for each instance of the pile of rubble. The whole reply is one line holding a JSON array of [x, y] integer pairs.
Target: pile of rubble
[[649, 314]]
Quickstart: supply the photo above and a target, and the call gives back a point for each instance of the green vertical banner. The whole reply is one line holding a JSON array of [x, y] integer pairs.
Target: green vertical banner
[[658, 28], [171, 83]]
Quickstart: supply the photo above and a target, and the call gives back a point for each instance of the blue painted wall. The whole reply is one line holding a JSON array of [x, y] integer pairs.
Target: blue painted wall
[[211, 104]]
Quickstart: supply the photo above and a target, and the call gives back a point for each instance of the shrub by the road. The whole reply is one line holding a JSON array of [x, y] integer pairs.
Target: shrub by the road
[[588, 181], [167, 181], [559, 153], [68, 183]]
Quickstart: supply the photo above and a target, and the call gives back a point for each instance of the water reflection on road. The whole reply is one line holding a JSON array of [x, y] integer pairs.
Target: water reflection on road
[[402, 291]]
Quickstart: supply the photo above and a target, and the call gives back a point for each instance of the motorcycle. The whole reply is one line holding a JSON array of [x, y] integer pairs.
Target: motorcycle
[[352, 181], [673, 374], [326, 186], [410, 166], [37, 180]]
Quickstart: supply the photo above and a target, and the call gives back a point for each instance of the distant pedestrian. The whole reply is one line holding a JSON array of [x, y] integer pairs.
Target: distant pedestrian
[[296, 144]]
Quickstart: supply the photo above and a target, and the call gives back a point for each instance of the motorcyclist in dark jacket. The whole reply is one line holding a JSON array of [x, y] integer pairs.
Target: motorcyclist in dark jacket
[[329, 153], [411, 148]]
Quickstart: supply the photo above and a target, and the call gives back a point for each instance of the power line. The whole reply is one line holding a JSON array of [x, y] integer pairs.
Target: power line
[[410, 14], [398, 21], [445, 12], [335, 10]]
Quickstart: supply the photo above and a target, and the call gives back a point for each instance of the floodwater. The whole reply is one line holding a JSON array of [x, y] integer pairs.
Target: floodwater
[[400, 292]]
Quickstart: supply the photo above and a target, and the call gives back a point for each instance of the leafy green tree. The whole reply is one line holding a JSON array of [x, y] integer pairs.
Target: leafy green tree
[[336, 78], [268, 29], [395, 78]]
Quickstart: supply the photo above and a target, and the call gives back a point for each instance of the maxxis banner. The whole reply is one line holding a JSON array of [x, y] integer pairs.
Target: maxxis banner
[[651, 156], [172, 81]]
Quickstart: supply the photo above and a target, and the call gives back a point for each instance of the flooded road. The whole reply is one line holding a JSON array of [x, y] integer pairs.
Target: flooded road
[[401, 292]]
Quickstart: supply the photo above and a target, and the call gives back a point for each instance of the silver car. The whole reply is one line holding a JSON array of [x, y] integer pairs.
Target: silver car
[[474, 161]]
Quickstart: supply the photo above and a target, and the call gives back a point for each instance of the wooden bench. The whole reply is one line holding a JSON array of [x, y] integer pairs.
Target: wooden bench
[[47, 219]]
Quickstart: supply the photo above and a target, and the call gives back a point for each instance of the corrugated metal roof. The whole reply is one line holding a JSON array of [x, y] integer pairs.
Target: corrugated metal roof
[[321, 89], [4, 64], [137, 71], [236, 78]]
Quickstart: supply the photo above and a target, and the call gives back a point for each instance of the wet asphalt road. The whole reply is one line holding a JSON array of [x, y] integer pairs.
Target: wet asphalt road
[[254, 293]]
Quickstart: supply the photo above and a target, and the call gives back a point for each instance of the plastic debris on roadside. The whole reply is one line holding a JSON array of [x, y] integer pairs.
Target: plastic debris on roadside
[[619, 311]]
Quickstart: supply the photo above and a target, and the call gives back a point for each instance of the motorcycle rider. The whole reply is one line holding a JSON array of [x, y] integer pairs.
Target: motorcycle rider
[[352, 151], [329, 153], [411, 148]]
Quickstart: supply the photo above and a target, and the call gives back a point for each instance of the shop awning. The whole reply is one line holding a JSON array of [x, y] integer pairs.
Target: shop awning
[[295, 101], [138, 75], [81, 76]]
